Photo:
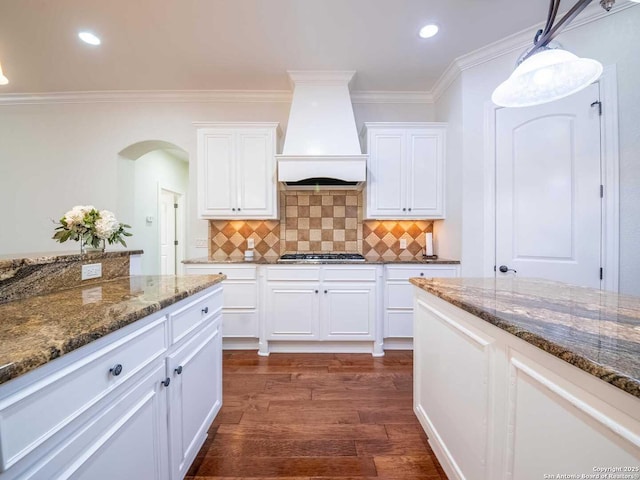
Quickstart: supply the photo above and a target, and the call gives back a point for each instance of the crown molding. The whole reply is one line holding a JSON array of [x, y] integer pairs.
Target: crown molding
[[450, 74], [197, 96], [517, 42], [142, 96], [391, 97]]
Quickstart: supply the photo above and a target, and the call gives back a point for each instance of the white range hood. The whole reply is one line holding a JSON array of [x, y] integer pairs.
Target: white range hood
[[321, 147]]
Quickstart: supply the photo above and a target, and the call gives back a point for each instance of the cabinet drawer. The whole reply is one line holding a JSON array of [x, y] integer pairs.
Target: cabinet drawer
[[240, 295], [299, 273], [240, 324], [33, 415], [430, 271], [399, 325], [399, 295], [233, 272], [194, 314], [350, 273]]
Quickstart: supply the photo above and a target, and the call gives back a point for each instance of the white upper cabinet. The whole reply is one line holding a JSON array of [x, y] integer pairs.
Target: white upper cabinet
[[237, 170], [405, 175]]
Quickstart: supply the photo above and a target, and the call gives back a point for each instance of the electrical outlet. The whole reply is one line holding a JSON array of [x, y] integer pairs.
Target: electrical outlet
[[201, 243], [403, 243], [92, 270], [250, 243]]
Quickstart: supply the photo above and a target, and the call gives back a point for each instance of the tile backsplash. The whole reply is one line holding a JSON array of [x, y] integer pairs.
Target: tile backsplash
[[381, 239], [324, 221], [228, 239]]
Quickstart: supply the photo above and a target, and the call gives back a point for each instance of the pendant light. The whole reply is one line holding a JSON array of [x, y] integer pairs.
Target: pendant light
[[3, 80], [546, 72]]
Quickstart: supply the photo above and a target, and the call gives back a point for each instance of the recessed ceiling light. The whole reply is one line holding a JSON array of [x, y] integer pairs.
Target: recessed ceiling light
[[428, 31], [90, 38]]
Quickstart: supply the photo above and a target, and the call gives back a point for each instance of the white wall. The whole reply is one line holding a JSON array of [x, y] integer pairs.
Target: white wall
[[448, 233], [613, 40], [54, 156]]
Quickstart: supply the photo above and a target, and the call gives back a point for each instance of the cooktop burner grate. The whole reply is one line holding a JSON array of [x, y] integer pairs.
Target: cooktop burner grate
[[320, 257]]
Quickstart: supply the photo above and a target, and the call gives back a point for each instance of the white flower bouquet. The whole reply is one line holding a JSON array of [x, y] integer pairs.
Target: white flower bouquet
[[85, 224]]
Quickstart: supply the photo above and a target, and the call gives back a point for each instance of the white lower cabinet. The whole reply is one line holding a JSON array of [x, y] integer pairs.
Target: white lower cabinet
[[117, 408], [240, 313], [321, 303], [398, 316], [195, 394]]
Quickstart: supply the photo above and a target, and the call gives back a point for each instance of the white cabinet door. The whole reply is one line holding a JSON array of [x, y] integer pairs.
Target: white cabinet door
[[128, 440], [293, 311], [237, 171], [385, 185], [217, 173], [256, 173], [348, 311], [195, 371], [405, 170], [425, 179]]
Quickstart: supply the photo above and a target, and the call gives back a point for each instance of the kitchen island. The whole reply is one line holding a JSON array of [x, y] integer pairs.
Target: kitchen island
[[95, 371], [522, 378]]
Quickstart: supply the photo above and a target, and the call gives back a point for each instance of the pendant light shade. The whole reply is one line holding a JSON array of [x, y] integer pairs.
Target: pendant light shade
[[545, 76], [3, 80]]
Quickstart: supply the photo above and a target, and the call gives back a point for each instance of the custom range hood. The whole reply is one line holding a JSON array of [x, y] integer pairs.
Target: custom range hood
[[321, 146]]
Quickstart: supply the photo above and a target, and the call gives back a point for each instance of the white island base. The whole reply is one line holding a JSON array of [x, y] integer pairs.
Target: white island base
[[496, 407]]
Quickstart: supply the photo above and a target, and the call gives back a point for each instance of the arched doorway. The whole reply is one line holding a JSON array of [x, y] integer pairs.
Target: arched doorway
[[153, 181]]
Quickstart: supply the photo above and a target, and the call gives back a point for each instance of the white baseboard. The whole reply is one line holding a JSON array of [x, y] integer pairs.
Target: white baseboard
[[231, 343], [398, 343]]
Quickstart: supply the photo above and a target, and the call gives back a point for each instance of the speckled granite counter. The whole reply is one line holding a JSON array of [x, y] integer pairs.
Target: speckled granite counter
[[274, 261], [598, 332], [38, 329]]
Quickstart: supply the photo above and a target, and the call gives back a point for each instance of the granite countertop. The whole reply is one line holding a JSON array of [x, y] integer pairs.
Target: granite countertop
[[38, 329], [274, 261], [40, 258], [596, 331]]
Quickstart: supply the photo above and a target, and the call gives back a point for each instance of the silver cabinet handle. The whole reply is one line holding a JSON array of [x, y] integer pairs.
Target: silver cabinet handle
[[116, 370], [178, 370]]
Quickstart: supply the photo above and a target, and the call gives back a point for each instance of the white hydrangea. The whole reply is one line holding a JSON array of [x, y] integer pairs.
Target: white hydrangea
[[76, 214], [107, 224]]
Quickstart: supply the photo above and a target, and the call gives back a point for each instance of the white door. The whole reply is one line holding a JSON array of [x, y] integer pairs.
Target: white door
[[167, 227], [548, 205], [217, 186], [256, 173], [348, 311], [386, 174], [425, 173], [196, 395], [292, 311]]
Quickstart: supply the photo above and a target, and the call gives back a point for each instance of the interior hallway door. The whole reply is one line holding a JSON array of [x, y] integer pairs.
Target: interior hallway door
[[167, 227], [548, 194]]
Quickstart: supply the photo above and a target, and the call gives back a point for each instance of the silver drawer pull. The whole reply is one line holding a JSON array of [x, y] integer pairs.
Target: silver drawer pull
[[166, 382], [116, 370], [178, 370], [205, 310]]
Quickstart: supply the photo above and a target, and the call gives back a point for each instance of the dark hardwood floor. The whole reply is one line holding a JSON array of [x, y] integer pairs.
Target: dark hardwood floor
[[316, 416]]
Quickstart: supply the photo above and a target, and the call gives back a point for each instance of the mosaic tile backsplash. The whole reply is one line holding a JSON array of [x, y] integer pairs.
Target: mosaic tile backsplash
[[382, 239], [228, 239], [325, 221]]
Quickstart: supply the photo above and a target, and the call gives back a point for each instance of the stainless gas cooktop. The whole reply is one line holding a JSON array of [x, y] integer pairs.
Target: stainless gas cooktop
[[320, 258]]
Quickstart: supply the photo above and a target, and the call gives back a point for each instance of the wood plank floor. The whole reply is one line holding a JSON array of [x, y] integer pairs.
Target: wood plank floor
[[316, 417]]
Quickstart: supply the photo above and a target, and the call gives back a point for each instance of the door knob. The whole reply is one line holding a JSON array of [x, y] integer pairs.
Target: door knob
[[505, 269]]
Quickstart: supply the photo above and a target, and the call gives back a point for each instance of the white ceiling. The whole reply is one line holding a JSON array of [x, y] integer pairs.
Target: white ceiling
[[244, 44]]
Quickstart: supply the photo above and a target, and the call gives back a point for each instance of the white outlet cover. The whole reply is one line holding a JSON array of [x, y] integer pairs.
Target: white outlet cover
[[403, 243], [250, 243], [92, 270]]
